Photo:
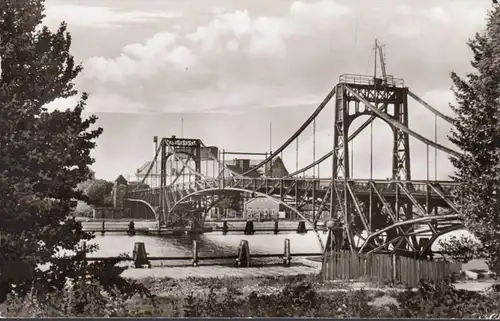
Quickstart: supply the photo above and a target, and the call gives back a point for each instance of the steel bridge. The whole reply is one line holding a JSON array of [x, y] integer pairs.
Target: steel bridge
[[396, 215]]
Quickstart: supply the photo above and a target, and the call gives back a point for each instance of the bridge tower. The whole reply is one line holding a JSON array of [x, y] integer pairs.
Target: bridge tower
[[188, 150], [389, 96]]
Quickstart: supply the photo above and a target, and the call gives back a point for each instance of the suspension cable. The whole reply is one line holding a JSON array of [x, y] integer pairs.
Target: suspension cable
[[297, 153], [427, 175], [435, 149], [371, 150], [314, 146]]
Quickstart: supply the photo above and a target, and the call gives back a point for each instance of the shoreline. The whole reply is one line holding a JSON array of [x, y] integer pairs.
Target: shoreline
[[262, 268]]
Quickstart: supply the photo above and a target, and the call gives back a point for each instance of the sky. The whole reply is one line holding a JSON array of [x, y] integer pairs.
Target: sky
[[226, 69]]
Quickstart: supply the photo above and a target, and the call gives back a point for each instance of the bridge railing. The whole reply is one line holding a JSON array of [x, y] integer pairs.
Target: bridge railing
[[356, 79]]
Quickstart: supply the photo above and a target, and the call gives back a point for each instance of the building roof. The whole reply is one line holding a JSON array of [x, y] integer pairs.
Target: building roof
[[120, 180], [238, 170]]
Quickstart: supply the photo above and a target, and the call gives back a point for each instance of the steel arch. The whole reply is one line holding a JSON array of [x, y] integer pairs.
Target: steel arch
[[146, 203], [242, 190]]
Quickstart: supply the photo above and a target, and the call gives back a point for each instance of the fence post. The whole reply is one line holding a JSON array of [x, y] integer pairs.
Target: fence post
[[195, 253], [276, 227], [287, 258], [103, 228], [394, 265], [224, 228]]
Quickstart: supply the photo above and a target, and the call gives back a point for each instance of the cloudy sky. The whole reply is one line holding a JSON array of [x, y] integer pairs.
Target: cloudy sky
[[230, 67]]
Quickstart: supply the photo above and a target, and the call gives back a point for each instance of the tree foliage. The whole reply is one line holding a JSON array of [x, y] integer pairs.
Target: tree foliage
[[99, 193], [45, 155], [477, 134], [231, 202], [462, 249]]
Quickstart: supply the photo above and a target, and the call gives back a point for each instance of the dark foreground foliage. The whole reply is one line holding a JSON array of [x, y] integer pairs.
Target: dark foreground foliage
[[297, 297]]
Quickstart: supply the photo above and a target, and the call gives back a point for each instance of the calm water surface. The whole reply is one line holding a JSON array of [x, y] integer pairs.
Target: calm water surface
[[218, 244], [209, 243]]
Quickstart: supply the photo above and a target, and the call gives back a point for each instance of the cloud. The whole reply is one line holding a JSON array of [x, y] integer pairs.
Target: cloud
[[99, 17], [437, 14], [238, 60]]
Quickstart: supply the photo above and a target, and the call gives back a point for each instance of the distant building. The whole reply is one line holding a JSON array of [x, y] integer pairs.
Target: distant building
[[260, 208], [276, 168]]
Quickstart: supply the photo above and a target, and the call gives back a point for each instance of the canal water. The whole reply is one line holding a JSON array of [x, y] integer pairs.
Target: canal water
[[209, 244], [217, 244]]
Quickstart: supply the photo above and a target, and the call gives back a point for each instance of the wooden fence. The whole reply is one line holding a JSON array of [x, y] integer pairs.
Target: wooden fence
[[384, 268]]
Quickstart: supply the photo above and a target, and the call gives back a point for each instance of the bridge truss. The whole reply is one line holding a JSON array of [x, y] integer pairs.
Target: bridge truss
[[396, 215]]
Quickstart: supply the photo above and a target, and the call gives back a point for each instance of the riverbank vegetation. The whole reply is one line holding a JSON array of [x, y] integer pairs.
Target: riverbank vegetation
[[45, 156], [259, 297], [477, 134]]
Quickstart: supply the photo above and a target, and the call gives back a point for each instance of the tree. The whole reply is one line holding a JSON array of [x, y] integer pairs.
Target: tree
[[45, 155], [477, 134], [462, 249], [99, 193]]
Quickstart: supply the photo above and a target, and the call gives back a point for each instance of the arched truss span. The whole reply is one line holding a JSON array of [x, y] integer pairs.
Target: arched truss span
[[242, 190], [413, 222], [145, 203]]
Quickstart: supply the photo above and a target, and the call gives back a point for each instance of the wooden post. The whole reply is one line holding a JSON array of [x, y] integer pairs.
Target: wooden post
[[276, 227], [249, 230], [301, 228], [287, 258], [224, 228], [131, 228], [140, 256], [103, 228], [243, 254], [394, 265], [195, 253]]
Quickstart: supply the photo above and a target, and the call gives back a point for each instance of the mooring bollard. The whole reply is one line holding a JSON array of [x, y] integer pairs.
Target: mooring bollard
[[249, 230], [195, 253], [224, 228], [131, 229], [243, 259], [287, 258], [301, 228], [276, 227], [103, 230], [140, 256]]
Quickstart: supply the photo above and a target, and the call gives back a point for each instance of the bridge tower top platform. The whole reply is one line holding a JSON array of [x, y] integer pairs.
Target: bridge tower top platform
[[366, 80]]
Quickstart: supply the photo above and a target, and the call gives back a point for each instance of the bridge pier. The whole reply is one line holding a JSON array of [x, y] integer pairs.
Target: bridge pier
[[243, 259], [224, 228], [301, 228], [249, 229]]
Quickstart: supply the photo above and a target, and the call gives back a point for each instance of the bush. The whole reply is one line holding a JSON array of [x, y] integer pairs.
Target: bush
[[442, 300]]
